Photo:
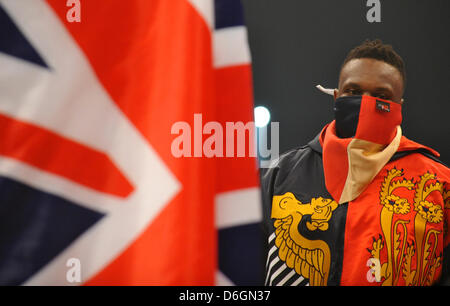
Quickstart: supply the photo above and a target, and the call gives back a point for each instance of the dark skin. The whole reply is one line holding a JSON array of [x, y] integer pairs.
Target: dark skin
[[366, 76]]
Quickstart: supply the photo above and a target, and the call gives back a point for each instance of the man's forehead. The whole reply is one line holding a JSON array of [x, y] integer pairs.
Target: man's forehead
[[371, 72], [367, 70]]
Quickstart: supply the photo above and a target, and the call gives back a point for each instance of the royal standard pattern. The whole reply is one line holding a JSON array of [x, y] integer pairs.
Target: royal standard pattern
[[394, 233], [409, 262]]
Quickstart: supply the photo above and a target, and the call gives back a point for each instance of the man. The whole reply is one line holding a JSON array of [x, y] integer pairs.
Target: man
[[360, 204]]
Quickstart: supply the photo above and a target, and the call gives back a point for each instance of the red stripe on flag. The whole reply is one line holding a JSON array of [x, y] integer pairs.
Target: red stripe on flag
[[48, 151], [154, 59], [235, 103]]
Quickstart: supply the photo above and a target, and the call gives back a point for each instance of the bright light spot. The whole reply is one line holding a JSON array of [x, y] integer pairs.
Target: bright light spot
[[262, 116]]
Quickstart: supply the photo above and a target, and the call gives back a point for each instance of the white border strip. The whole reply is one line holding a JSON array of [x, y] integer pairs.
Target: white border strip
[[238, 207], [231, 47], [205, 8], [222, 279]]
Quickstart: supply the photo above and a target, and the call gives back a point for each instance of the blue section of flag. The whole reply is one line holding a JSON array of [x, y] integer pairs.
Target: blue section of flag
[[241, 254], [35, 227], [228, 13], [14, 43]]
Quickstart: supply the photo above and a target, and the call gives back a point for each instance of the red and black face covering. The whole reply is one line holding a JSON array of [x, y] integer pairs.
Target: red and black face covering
[[358, 143], [367, 118]]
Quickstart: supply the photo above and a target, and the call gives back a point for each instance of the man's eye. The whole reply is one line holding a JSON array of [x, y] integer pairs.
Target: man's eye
[[353, 92], [382, 96]]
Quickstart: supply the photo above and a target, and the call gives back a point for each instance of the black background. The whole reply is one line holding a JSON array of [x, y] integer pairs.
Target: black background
[[297, 44]]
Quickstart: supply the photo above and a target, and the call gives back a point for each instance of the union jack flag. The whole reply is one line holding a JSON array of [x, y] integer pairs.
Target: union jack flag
[[86, 169]]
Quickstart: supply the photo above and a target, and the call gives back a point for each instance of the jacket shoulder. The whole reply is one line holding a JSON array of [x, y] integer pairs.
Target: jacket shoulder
[[288, 161], [284, 171], [422, 161]]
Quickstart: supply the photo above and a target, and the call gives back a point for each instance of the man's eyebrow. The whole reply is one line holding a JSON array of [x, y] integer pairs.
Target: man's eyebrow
[[378, 89], [352, 85]]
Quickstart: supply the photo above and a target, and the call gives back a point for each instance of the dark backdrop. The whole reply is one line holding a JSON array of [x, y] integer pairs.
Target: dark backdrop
[[297, 44]]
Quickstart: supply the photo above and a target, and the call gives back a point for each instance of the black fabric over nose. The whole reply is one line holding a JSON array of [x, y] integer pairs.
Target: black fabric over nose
[[346, 114]]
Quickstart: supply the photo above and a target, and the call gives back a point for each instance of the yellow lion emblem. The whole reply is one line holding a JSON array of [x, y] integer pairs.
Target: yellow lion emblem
[[309, 258]]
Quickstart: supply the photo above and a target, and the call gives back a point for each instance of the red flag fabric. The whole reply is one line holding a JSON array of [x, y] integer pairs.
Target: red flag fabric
[[87, 113]]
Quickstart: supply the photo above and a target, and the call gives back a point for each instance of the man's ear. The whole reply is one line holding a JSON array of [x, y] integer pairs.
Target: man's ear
[[335, 93]]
